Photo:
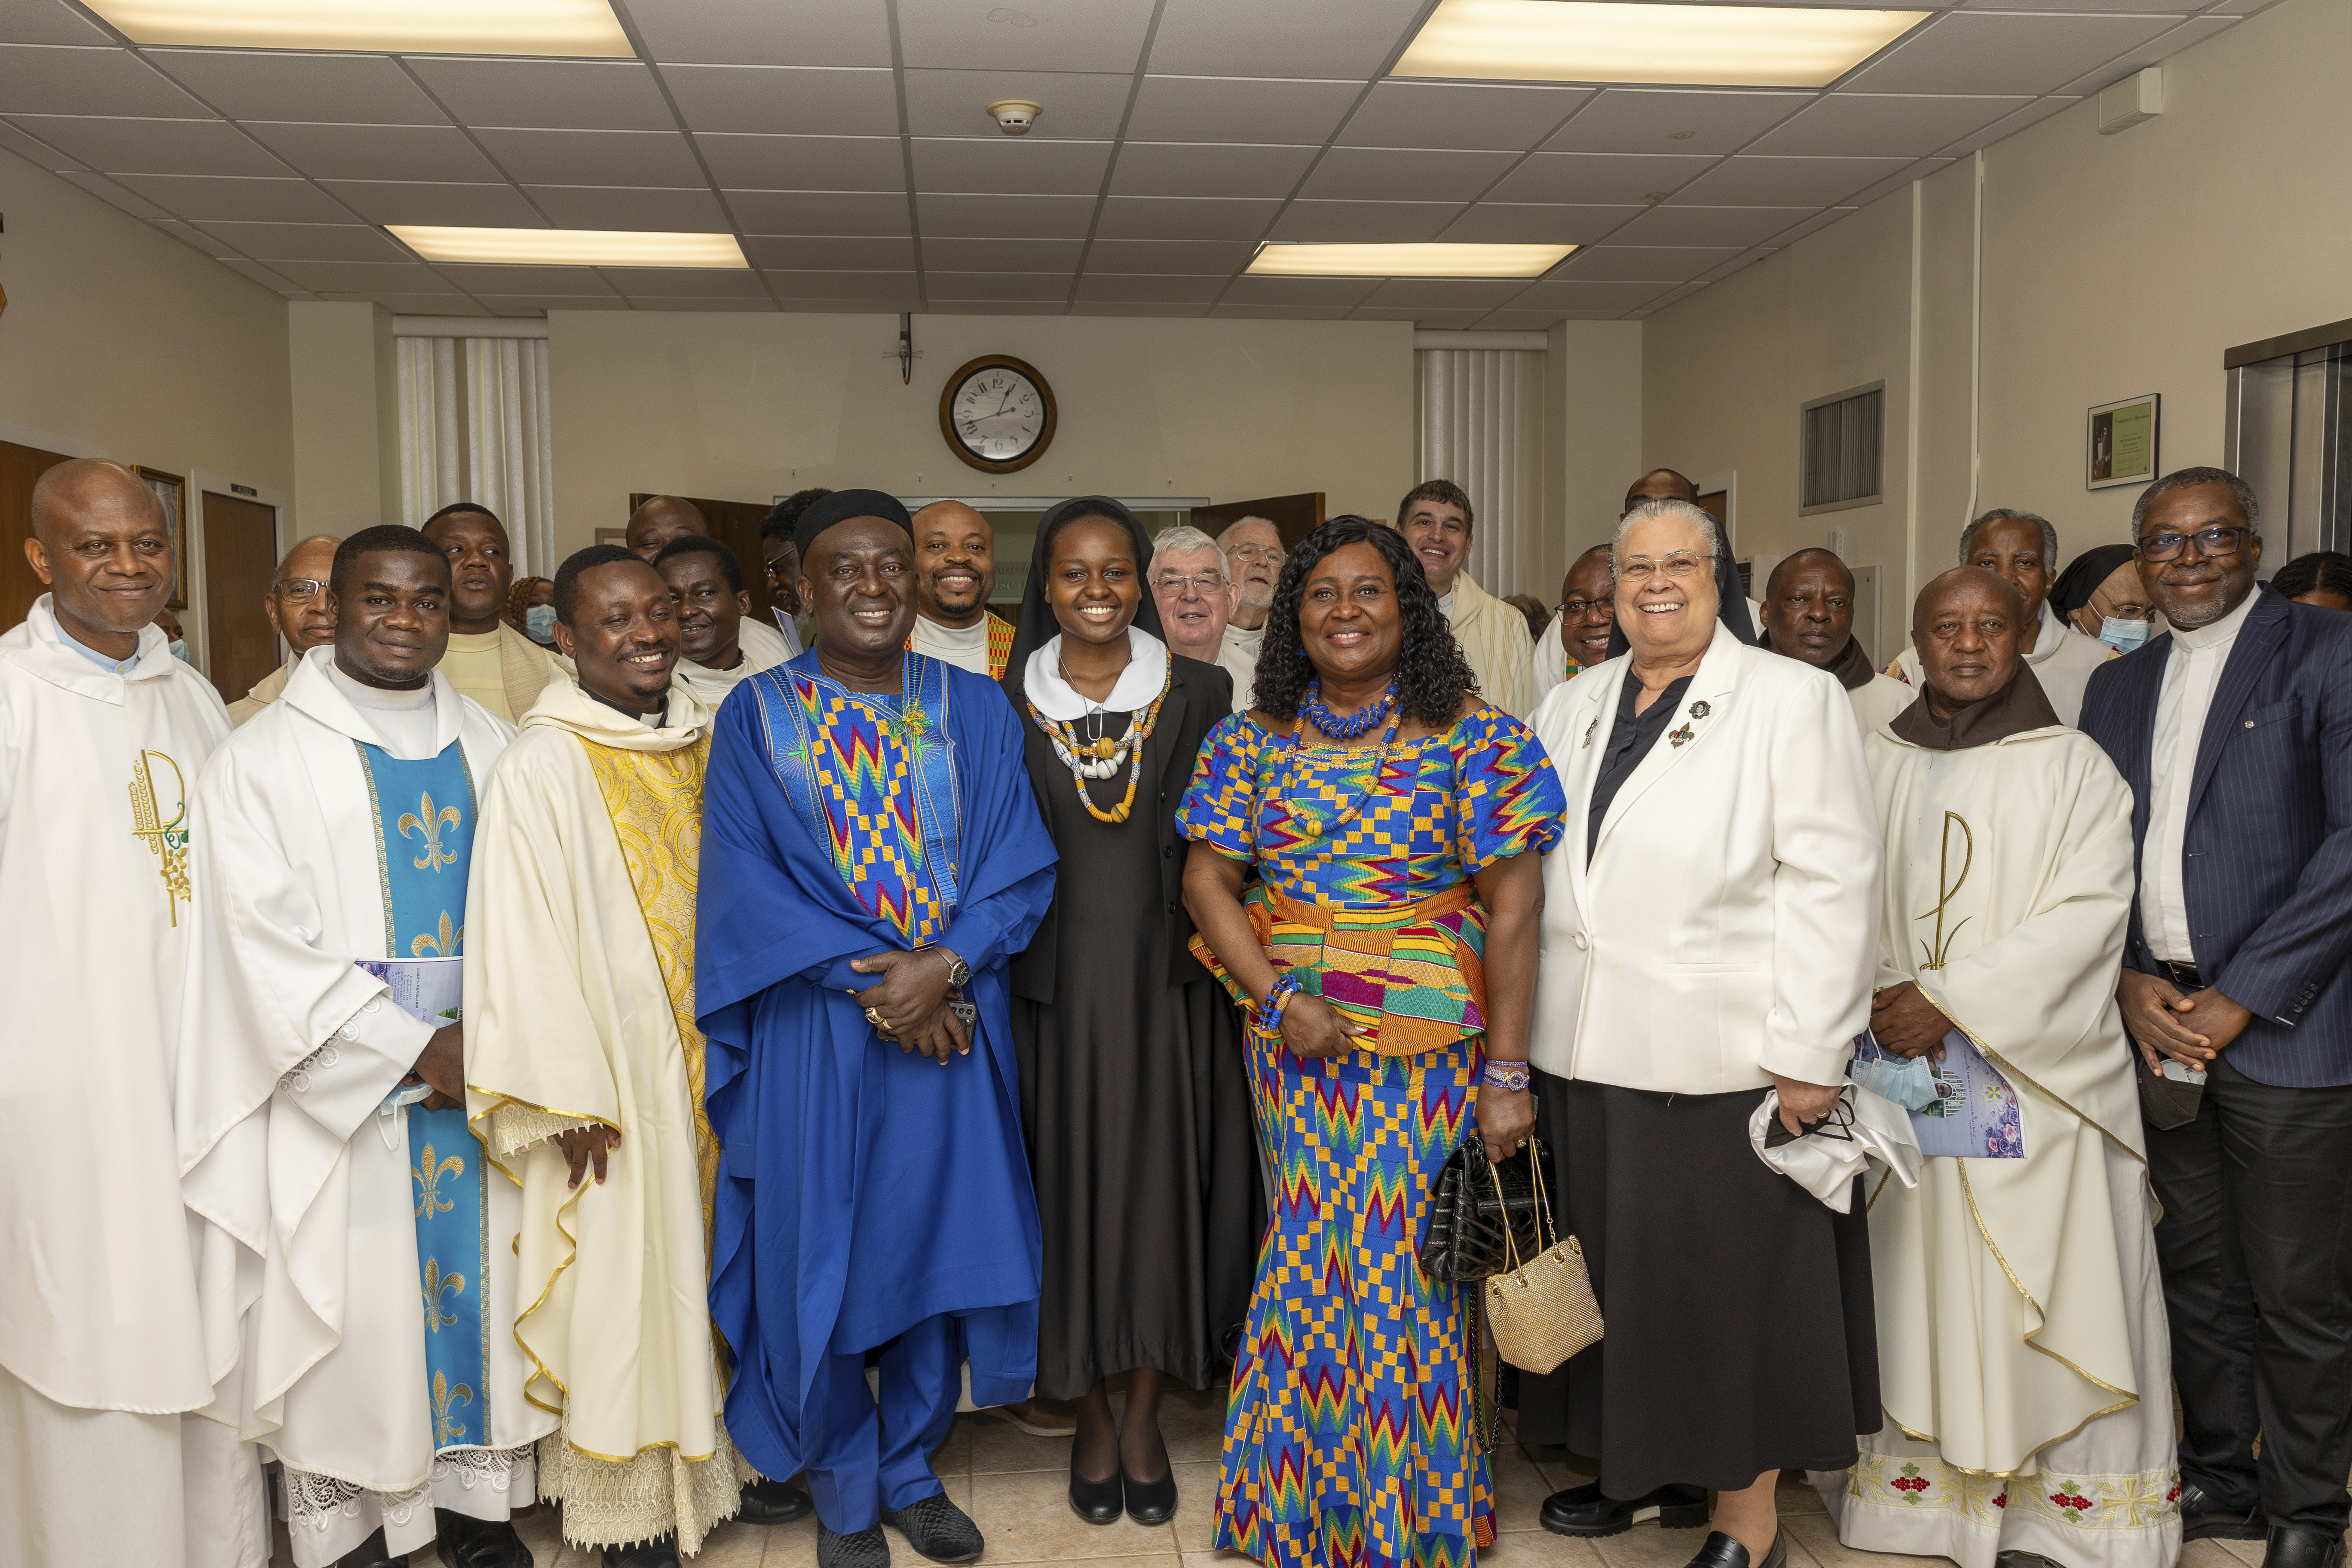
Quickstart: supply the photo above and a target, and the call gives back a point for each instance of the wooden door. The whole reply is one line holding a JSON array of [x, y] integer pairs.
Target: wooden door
[[1717, 505], [1293, 517], [241, 562], [735, 525], [19, 467]]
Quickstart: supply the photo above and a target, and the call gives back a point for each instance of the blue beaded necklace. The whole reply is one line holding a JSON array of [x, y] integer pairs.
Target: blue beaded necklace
[[1316, 711]]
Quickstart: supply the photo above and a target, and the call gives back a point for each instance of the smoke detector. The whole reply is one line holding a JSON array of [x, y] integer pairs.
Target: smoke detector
[[1014, 116]]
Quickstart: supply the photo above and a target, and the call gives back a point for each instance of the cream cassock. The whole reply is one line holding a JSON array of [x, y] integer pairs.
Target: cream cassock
[[292, 1047]]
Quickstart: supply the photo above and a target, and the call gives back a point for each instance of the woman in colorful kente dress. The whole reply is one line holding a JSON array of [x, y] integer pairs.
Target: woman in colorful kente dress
[[1386, 960]]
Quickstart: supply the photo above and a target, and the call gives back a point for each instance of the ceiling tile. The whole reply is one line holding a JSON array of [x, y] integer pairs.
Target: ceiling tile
[[540, 305], [1135, 308], [365, 276], [678, 282], [568, 94], [307, 241], [35, 80], [606, 206], [1004, 255], [1142, 287], [1013, 167], [48, 22], [856, 285], [1075, 106], [1443, 293], [820, 211], [762, 305], [1364, 221], [784, 100], [593, 157], [1521, 321], [1281, 312], [112, 194], [1737, 227], [806, 162], [1745, 181], [1397, 175], [2195, 30], [1855, 124], [1170, 257], [1005, 217], [155, 146], [2144, 6], [904, 302], [996, 285], [1336, 292], [1281, 38], [1584, 177], [1204, 169], [2035, 110], [256, 272], [436, 153], [460, 206], [851, 255], [1184, 218], [765, 31], [1239, 108], [197, 198], [1646, 263], [1520, 223], [1906, 175], [412, 304], [33, 150], [1682, 292], [1572, 294], [1035, 34], [1643, 119], [2005, 53], [366, 89], [997, 308], [1813, 224], [1430, 320], [542, 280], [1459, 114]]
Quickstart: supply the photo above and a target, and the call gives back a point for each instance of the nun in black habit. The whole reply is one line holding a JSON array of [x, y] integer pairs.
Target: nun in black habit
[[1134, 1099]]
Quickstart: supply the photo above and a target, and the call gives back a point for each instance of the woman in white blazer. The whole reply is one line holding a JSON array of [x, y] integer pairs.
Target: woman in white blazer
[[1709, 934]]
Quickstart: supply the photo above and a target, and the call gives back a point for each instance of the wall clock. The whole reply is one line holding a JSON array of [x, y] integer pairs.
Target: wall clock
[[997, 414]]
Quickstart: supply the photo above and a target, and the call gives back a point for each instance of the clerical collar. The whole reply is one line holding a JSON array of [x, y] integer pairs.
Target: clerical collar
[[1137, 684], [1445, 604], [929, 633], [2220, 631], [1851, 667], [2020, 706], [106, 662], [652, 720]]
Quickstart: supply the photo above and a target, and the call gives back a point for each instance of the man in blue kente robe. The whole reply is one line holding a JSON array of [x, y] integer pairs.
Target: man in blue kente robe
[[872, 857]]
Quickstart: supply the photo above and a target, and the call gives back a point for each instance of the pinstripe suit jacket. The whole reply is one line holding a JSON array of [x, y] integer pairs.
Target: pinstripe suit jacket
[[2267, 859]]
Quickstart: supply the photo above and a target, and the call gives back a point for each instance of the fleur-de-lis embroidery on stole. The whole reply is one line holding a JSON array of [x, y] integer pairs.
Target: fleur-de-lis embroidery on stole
[[446, 1397], [444, 944], [437, 1286], [428, 1174], [428, 825]]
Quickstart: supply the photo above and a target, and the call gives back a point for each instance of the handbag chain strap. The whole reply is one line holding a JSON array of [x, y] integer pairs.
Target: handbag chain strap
[[1543, 1213]]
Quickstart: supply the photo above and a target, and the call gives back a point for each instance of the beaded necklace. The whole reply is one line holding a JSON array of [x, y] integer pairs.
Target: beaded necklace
[[1316, 711], [1311, 823], [1098, 756]]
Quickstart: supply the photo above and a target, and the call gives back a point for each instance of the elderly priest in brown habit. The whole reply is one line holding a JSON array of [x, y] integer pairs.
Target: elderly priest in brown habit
[[2023, 1355]]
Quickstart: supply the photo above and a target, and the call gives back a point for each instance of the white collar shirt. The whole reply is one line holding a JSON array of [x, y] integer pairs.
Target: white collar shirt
[[2191, 672]]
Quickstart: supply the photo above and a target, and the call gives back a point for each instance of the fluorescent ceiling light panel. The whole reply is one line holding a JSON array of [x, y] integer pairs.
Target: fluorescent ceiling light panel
[[570, 247], [1431, 260], [400, 26], [1703, 46]]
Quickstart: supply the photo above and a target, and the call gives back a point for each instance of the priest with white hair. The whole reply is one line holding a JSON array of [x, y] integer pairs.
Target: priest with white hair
[[1195, 599]]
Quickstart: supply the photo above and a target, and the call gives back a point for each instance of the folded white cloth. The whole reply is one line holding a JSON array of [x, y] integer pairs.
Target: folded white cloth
[[1859, 1127]]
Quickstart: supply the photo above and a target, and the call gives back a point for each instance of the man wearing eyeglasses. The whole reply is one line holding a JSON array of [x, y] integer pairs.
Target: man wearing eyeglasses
[[2234, 730], [299, 607], [1196, 600], [1253, 558]]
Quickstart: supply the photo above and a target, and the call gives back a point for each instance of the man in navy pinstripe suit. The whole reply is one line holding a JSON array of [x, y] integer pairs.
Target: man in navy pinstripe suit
[[2235, 733]]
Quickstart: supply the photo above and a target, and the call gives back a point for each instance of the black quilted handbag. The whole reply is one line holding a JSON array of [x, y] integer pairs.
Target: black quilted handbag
[[1463, 1241]]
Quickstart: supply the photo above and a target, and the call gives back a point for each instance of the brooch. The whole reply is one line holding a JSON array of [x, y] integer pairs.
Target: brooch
[[1589, 728], [1679, 736], [1699, 709]]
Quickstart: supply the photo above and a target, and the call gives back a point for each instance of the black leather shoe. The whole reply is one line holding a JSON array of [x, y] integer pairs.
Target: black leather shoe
[[773, 1502], [461, 1540], [1097, 1503], [1584, 1511], [371, 1553], [2302, 1546], [662, 1553], [2202, 1516], [1722, 1551], [938, 1530], [1150, 1502], [866, 1549]]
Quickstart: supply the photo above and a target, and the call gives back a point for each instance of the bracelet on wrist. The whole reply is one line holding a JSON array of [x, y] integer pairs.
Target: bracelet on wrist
[[1269, 1019], [1511, 1077]]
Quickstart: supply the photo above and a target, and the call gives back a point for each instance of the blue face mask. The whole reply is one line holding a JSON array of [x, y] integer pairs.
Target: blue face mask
[[2121, 636], [180, 650], [539, 625]]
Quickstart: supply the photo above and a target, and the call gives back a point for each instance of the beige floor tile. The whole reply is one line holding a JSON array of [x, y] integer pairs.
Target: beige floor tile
[[1027, 1519], [734, 1545], [1193, 1421], [2217, 1553], [1520, 1491], [794, 1545], [1213, 1558], [1541, 1549], [953, 1457], [1818, 1536], [999, 1448], [1196, 1506], [1795, 1495], [1647, 1546]]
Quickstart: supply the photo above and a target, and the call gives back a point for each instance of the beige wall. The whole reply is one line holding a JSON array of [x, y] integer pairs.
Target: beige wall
[[346, 383], [2113, 266], [744, 407], [1592, 403]]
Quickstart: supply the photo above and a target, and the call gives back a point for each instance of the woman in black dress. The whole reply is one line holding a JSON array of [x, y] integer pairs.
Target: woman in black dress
[[1133, 1098]]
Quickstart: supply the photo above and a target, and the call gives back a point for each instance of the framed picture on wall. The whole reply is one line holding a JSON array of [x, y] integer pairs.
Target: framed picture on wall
[[619, 536], [172, 489], [2119, 442]]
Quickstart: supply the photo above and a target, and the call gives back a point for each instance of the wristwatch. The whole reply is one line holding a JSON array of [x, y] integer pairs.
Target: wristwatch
[[959, 971]]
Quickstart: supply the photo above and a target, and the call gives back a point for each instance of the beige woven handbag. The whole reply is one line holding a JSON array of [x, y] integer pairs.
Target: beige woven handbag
[[1541, 1312]]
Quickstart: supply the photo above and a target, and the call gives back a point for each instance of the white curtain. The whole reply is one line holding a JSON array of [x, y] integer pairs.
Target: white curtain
[[474, 426], [1482, 414]]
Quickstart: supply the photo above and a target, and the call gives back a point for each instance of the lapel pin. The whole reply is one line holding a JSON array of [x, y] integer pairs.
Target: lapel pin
[[1679, 737], [1589, 729], [1700, 710]]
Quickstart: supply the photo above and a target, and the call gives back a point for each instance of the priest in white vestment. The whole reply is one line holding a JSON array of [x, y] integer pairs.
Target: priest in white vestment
[[319, 1120], [2021, 548], [1808, 614], [955, 572], [1578, 637], [583, 1069], [2024, 1361], [720, 640], [105, 1457], [304, 614], [1435, 519]]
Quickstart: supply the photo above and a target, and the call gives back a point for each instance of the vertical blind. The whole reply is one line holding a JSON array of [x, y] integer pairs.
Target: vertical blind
[[474, 426], [1482, 412]]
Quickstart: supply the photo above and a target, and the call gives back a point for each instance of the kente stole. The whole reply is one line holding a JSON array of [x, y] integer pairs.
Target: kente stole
[[423, 814]]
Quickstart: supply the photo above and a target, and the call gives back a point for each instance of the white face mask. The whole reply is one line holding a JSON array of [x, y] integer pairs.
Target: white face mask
[[539, 625], [2121, 635], [180, 650]]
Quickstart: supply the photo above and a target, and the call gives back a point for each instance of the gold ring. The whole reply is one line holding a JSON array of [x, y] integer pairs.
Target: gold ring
[[874, 1016], [1520, 1144]]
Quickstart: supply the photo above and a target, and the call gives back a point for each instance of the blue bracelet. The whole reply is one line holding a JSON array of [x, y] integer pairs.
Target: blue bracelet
[[1510, 1077], [1269, 1011]]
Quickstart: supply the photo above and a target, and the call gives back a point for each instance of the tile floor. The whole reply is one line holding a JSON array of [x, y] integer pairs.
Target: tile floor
[[1015, 1487]]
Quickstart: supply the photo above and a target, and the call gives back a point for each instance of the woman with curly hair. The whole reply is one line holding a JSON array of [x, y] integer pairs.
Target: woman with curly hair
[[530, 594], [1386, 963]]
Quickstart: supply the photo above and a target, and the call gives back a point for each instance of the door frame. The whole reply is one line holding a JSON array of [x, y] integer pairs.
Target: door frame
[[1727, 482], [193, 586]]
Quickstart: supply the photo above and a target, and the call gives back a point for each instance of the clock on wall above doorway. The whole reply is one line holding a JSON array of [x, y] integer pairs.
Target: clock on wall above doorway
[[997, 414]]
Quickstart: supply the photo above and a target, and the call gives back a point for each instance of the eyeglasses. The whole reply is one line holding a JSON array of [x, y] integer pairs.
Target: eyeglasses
[[1576, 609], [299, 590], [2217, 540], [1274, 553], [1675, 567], [1204, 584]]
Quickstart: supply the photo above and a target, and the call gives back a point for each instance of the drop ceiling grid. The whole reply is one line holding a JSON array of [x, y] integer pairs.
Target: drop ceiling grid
[[245, 176]]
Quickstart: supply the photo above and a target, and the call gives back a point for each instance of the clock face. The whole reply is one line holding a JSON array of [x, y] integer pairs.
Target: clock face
[[998, 415]]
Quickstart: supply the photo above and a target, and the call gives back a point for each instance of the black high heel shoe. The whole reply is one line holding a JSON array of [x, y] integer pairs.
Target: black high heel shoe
[[1150, 1502], [1097, 1502]]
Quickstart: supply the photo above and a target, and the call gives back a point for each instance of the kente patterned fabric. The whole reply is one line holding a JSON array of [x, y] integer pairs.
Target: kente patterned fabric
[[1000, 644], [874, 774], [655, 799], [1378, 918], [423, 814]]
